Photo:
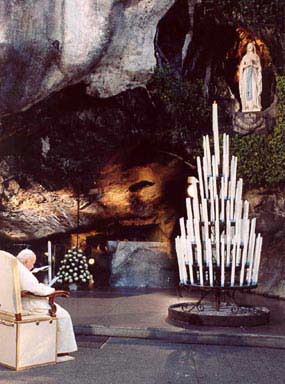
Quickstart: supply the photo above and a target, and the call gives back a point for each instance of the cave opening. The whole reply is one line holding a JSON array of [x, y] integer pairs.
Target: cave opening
[[170, 36]]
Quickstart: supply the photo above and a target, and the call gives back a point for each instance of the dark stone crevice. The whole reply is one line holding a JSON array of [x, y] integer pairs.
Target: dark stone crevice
[[140, 185], [170, 36]]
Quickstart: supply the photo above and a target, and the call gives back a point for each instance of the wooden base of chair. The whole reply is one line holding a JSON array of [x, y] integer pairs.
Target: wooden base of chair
[[27, 344]]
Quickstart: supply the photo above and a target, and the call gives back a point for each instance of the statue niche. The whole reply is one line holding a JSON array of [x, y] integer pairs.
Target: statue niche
[[250, 80]]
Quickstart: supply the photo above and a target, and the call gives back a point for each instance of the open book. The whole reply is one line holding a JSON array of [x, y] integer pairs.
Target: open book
[[39, 269]]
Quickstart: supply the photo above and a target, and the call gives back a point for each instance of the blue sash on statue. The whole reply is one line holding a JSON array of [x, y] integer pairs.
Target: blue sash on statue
[[249, 84]]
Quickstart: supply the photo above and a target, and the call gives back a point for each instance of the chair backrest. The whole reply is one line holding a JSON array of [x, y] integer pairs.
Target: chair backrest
[[10, 294]]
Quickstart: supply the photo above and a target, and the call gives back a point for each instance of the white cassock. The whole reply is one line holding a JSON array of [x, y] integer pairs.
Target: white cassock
[[66, 342]]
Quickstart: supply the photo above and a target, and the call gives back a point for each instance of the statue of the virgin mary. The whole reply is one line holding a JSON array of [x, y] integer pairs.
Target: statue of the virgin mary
[[250, 80]]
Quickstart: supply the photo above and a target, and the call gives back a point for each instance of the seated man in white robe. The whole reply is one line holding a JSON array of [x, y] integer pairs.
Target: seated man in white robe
[[66, 342]]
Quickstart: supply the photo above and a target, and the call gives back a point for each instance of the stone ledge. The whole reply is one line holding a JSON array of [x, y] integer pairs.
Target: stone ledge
[[203, 336]]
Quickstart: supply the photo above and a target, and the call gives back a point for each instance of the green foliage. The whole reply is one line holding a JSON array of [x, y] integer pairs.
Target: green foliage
[[180, 106], [262, 157], [259, 11]]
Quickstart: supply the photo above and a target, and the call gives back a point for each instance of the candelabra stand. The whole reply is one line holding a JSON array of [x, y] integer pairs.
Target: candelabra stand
[[216, 306], [219, 295], [218, 249]]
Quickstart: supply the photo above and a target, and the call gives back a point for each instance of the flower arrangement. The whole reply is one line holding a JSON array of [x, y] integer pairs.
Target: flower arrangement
[[74, 268]]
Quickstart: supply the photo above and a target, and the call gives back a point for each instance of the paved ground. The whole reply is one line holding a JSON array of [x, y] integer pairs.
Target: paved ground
[[142, 313], [133, 361]]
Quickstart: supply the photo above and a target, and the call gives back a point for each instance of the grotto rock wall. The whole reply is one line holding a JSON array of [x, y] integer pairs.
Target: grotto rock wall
[[269, 209], [143, 265], [48, 44]]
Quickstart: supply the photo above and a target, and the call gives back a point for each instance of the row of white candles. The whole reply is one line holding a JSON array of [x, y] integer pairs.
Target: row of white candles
[[223, 253], [238, 244], [248, 274]]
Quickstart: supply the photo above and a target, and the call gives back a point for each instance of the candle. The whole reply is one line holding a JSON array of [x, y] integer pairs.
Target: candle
[[190, 259], [233, 176], [178, 258], [205, 173], [228, 156], [228, 231], [232, 202], [226, 185], [250, 254], [199, 250], [252, 231], [244, 251], [224, 154], [200, 176], [238, 199], [222, 261], [189, 208], [214, 176], [190, 229], [238, 236], [182, 227], [216, 132], [233, 269], [212, 209], [181, 263], [195, 201], [210, 263], [257, 260], [208, 150], [217, 210], [49, 262], [184, 258], [205, 149], [217, 232], [206, 221], [222, 190], [214, 168], [222, 216], [217, 240], [246, 208]]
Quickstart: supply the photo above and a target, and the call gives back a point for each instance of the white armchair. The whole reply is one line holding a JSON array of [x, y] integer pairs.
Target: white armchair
[[25, 340]]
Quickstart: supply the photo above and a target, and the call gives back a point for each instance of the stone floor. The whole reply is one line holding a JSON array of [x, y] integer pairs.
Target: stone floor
[[135, 361], [142, 313]]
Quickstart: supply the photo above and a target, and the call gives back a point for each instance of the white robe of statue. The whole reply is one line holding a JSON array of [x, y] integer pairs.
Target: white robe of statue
[[250, 80], [65, 335]]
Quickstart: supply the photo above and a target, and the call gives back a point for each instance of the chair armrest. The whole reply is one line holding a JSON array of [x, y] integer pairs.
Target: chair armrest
[[50, 297]]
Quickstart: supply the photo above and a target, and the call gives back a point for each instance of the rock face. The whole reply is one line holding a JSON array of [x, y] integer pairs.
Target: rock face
[[128, 197], [48, 44], [143, 265], [269, 209]]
